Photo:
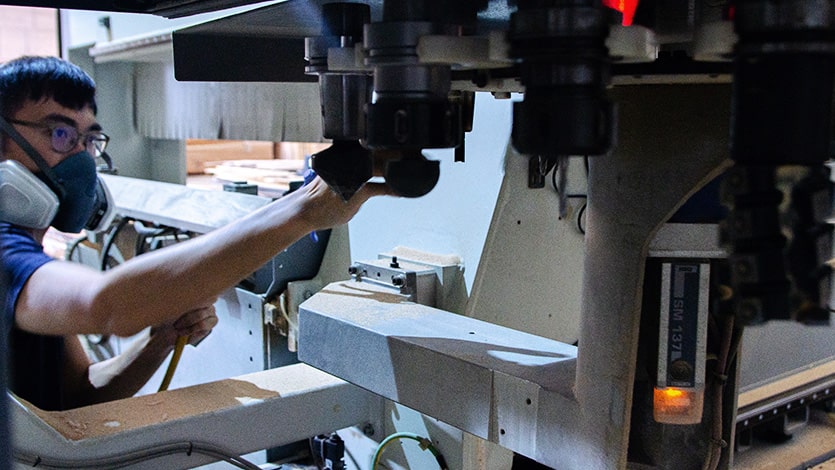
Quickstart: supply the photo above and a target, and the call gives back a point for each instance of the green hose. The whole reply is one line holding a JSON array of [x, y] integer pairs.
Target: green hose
[[423, 442]]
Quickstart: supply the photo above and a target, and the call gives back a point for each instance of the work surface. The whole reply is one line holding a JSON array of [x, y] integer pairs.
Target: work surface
[[806, 449]]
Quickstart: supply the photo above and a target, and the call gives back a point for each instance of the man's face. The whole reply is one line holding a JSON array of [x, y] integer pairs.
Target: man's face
[[41, 117]]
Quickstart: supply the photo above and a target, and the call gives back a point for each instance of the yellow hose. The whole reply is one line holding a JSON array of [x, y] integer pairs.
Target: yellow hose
[[181, 343]]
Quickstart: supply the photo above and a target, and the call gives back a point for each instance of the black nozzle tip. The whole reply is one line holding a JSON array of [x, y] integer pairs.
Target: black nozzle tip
[[345, 166], [413, 175]]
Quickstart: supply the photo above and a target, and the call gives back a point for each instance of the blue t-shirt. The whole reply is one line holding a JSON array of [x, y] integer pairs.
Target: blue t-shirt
[[35, 361], [20, 256]]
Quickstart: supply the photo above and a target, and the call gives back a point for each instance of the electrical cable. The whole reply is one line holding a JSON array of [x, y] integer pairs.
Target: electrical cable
[[357, 464], [74, 246], [580, 214], [144, 234], [727, 352], [424, 443], [110, 240], [136, 457], [564, 197], [556, 186], [181, 343], [285, 312]]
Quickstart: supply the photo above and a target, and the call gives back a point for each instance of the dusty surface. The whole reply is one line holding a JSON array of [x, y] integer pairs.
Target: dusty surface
[[121, 415]]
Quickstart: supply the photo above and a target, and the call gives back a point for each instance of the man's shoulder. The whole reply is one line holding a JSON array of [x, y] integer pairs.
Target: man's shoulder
[[14, 238], [10, 230], [18, 247]]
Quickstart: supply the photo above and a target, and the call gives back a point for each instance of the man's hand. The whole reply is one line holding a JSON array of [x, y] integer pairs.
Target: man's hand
[[321, 207], [123, 375], [195, 324]]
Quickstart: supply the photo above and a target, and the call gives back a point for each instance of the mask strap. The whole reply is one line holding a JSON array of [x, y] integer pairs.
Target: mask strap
[[35, 156]]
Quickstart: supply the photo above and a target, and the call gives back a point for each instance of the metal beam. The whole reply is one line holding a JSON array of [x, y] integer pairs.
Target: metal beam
[[496, 383]]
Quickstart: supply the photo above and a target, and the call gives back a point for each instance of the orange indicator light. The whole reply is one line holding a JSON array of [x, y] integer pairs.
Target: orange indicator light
[[677, 405], [672, 393]]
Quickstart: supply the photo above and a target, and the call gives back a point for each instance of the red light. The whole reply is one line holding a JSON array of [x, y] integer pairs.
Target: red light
[[627, 7]]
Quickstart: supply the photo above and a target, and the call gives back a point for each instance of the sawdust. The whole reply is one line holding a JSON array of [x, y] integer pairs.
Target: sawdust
[[122, 415]]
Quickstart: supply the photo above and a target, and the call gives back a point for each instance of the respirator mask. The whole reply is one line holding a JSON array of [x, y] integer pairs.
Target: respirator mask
[[70, 197]]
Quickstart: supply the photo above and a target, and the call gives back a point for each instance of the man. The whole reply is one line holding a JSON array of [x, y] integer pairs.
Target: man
[[50, 103]]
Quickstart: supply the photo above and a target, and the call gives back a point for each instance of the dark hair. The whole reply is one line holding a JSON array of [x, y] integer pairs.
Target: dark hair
[[38, 78]]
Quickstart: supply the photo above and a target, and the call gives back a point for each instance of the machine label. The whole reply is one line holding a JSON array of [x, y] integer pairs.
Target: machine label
[[683, 299]]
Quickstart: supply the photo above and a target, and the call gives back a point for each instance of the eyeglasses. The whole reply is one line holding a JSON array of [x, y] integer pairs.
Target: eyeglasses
[[65, 137]]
